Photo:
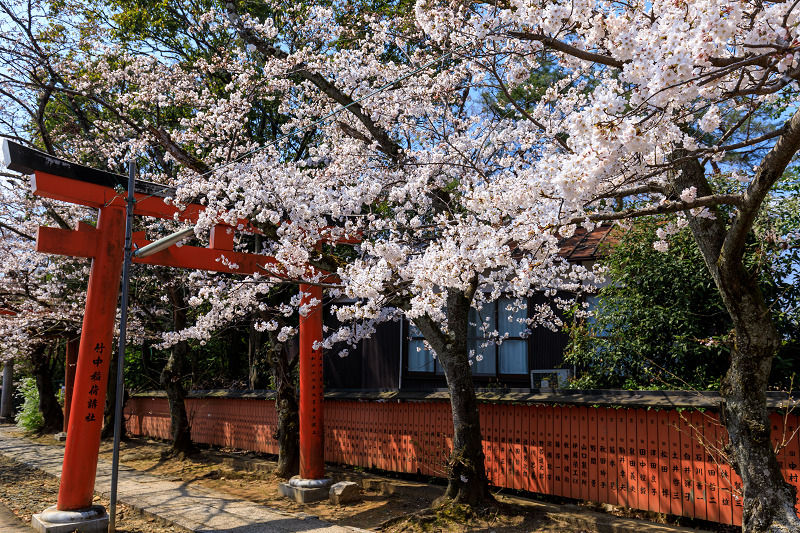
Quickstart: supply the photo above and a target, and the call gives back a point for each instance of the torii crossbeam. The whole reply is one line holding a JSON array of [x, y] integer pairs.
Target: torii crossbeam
[[69, 182]]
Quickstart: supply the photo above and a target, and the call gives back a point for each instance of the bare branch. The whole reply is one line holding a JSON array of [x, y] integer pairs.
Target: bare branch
[[768, 173]]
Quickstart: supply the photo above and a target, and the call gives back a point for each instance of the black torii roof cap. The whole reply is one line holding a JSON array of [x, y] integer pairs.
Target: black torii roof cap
[[27, 160]]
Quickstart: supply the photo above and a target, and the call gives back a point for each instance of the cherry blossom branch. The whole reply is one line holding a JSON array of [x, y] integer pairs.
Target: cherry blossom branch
[[284, 278], [568, 49], [524, 112], [664, 208], [18, 232], [631, 191], [389, 145]]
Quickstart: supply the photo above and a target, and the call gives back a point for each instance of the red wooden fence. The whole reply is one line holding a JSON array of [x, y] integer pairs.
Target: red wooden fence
[[667, 461]]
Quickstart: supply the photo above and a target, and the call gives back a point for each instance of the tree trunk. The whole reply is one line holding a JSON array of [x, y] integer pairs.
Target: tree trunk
[[255, 356], [172, 376], [768, 500], [466, 471], [287, 406], [48, 401], [7, 401], [172, 381], [111, 400]]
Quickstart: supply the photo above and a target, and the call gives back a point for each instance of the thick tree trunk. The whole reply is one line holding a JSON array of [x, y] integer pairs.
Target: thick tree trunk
[[172, 376], [768, 500], [288, 408], [6, 401], [466, 471], [48, 401], [172, 381], [111, 400]]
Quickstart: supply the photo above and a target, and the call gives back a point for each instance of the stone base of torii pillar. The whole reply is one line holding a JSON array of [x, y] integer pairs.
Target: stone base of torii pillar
[[306, 490], [92, 520]]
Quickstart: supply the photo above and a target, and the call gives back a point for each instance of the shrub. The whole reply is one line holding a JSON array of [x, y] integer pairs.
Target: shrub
[[29, 416]]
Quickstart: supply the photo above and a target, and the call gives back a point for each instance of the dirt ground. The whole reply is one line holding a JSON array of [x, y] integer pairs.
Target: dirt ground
[[249, 476]]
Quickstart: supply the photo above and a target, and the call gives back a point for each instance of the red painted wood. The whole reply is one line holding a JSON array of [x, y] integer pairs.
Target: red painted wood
[[584, 452], [312, 465], [572, 453], [603, 429], [527, 461], [620, 464], [724, 485], [792, 466], [687, 481], [66, 242], [555, 441], [663, 460], [645, 475], [550, 460], [92, 195], [654, 479], [71, 364], [543, 462], [712, 467], [519, 477], [221, 238], [94, 354], [632, 459], [500, 415], [699, 466], [676, 464]]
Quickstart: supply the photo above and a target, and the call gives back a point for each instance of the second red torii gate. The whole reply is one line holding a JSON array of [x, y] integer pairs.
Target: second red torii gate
[[69, 182]]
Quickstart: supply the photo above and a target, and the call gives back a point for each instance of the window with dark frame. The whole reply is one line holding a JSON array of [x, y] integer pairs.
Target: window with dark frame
[[488, 359]]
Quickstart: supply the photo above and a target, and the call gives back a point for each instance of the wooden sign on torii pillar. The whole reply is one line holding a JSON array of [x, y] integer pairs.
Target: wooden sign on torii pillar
[[69, 182]]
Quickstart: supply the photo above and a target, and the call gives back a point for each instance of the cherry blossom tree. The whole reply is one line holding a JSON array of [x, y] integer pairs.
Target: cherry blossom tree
[[637, 126], [44, 293], [386, 138]]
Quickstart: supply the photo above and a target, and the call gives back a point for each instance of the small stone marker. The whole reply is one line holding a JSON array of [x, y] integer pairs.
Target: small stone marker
[[345, 492]]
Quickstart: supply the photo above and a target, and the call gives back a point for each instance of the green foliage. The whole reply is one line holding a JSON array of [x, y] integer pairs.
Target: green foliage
[[658, 325], [29, 417], [661, 324]]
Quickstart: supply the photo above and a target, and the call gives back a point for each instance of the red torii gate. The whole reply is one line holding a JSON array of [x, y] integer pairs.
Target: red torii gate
[[69, 182]]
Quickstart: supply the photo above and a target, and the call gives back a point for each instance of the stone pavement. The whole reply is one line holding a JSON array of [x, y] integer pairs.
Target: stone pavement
[[194, 509], [11, 523]]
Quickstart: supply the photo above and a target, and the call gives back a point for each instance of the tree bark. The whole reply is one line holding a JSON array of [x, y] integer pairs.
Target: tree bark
[[466, 471], [111, 399], [172, 381], [255, 357], [768, 499], [172, 377], [6, 401], [41, 359], [287, 406]]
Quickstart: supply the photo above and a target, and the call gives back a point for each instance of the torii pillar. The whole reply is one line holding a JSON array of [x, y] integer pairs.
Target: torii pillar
[[65, 181]]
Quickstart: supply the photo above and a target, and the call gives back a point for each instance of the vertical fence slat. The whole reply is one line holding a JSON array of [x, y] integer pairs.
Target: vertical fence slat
[[793, 451], [699, 466]]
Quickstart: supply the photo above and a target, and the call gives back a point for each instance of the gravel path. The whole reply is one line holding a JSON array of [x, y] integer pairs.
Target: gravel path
[[25, 491]]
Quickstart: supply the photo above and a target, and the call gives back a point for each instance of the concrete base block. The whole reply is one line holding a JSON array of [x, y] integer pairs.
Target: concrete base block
[[299, 491], [97, 522], [60, 437]]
